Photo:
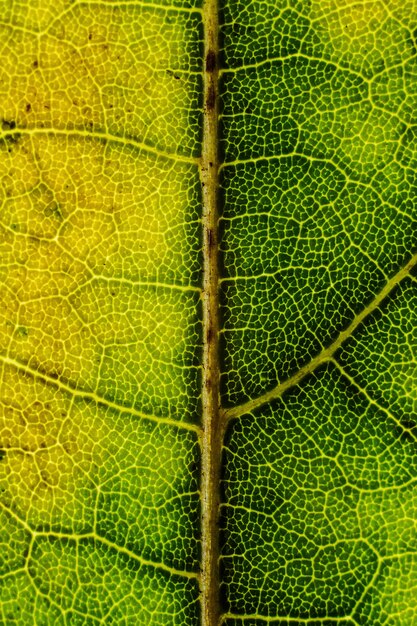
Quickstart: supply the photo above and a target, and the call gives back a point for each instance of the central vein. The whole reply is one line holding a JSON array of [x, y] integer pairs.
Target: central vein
[[211, 441]]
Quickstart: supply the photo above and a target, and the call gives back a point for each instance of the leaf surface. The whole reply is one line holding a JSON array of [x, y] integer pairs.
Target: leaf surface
[[208, 327]]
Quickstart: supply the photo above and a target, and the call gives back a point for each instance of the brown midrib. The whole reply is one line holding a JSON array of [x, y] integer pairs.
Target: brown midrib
[[212, 435]]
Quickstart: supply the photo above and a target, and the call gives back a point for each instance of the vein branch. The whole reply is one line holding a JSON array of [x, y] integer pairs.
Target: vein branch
[[327, 353], [371, 400], [92, 536]]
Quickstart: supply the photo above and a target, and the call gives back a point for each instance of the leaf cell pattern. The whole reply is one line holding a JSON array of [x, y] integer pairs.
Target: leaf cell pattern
[[102, 325]]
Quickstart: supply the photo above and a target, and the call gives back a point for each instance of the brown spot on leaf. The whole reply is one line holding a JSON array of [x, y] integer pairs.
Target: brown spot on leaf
[[211, 98], [210, 61], [210, 238], [209, 335]]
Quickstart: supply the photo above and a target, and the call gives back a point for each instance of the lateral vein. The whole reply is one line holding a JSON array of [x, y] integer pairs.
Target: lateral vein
[[327, 353], [94, 397], [101, 136], [289, 620], [369, 398]]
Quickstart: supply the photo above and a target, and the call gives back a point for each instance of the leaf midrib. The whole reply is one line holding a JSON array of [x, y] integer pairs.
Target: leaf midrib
[[212, 425]]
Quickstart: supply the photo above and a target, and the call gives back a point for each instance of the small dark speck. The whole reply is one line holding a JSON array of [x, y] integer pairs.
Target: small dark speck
[[171, 73], [28, 107], [210, 238], [8, 125], [210, 61], [35, 64], [209, 335], [211, 98], [12, 138], [90, 36]]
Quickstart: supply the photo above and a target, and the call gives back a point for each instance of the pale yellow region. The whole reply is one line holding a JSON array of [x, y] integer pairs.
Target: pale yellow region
[[117, 210], [73, 209], [363, 32], [144, 334], [98, 67], [48, 455], [33, 14], [123, 210], [19, 172], [37, 273]]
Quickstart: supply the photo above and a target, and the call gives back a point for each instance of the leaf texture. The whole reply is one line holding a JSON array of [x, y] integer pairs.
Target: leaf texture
[[208, 320]]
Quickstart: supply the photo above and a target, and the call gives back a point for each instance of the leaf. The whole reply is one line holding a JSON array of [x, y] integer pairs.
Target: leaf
[[204, 202]]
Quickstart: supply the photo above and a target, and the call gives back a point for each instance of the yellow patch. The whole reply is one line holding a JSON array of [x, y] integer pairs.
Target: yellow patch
[[112, 70], [94, 111], [45, 454]]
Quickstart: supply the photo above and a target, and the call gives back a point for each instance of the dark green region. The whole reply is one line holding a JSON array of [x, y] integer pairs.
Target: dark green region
[[309, 487], [381, 356], [269, 110], [144, 507], [303, 251], [318, 216], [252, 31]]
